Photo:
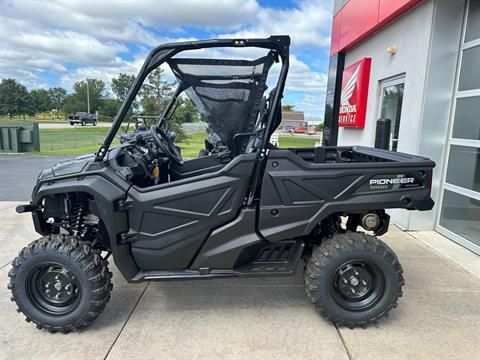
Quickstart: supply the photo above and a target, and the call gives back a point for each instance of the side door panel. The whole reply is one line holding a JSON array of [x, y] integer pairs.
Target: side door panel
[[172, 221]]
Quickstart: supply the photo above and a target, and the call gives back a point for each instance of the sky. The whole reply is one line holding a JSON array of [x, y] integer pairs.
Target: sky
[[46, 43]]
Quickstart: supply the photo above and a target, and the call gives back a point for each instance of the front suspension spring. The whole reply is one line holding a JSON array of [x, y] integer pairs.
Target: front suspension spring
[[78, 212]]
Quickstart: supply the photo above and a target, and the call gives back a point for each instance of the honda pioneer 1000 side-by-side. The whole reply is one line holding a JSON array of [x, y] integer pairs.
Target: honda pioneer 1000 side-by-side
[[243, 208]]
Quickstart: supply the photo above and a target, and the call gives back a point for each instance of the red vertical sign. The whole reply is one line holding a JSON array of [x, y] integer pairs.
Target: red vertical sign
[[353, 99]]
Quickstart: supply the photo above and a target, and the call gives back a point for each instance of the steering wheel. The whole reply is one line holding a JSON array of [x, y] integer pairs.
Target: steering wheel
[[166, 145]]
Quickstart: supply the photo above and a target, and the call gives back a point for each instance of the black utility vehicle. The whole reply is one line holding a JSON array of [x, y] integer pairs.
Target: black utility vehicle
[[245, 209], [82, 118]]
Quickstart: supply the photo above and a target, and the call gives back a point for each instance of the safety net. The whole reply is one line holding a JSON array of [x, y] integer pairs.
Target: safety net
[[228, 93]]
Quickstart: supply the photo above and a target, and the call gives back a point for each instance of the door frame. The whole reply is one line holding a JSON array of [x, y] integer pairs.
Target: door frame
[[391, 81]]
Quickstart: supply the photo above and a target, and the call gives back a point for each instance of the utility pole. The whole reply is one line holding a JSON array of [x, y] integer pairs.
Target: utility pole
[[88, 98]]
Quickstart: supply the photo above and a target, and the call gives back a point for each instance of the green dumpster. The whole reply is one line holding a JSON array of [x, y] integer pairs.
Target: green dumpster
[[19, 137]]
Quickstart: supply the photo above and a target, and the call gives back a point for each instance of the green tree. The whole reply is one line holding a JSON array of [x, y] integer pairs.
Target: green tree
[[186, 111], [110, 107], [73, 104], [41, 101], [77, 101], [288, 107], [97, 91], [155, 92], [121, 85], [58, 96], [14, 99], [155, 95]]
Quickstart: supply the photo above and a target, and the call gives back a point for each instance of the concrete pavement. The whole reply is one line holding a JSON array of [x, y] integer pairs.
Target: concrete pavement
[[437, 318]]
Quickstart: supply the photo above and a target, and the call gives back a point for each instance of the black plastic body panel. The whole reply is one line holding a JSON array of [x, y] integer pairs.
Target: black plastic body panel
[[107, 188], [225, 245], [171, 221], [298, 191], [194, 167]]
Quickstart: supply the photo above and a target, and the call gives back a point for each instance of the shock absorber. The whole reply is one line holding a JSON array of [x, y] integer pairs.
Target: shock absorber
[[331, 225], [77, 213]]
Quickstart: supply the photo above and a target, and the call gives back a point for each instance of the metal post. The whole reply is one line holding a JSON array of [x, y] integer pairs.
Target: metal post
[[88, 98]]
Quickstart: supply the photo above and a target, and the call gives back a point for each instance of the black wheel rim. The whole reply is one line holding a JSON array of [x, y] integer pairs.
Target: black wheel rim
[[53, 289], [357, 285]]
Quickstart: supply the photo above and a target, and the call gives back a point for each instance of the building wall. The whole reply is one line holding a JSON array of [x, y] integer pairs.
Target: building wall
[[411, 35]]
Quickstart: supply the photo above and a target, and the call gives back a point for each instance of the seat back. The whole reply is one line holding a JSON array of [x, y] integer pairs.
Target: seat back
[[255, 141]]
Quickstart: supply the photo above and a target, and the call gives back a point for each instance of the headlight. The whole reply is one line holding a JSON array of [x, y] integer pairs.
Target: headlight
[[45, 174]]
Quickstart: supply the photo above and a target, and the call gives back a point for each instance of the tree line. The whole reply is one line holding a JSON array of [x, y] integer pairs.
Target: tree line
[[16, 100]]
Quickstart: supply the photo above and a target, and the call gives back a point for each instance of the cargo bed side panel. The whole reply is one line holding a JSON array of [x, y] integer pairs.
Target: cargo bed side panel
[[297, 194]]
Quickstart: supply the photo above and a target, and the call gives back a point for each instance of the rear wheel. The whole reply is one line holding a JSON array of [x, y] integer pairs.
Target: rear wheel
[[83, 123], [353, 279], [60, 283]]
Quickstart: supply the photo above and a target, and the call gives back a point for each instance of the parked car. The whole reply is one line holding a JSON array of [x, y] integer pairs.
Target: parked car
[[251, 210], [288, 128], [82, 118], [300, 130], [311, 130]]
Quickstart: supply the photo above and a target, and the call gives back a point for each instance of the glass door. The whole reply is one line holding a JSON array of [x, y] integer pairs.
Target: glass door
[[459, 217], [391, 106]]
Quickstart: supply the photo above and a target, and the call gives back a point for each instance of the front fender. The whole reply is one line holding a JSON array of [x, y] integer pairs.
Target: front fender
[[105, 193]]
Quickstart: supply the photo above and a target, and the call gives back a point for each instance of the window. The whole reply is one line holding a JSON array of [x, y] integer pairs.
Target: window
[[469, 74], [391, 106], [460, 215], [460, 207], [466, 124]]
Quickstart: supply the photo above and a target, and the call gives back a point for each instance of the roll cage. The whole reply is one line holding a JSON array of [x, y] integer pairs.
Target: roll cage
[[163, 53]]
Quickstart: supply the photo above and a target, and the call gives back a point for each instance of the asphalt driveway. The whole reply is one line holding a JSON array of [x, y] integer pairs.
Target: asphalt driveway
[[18, 174], [438, 316]]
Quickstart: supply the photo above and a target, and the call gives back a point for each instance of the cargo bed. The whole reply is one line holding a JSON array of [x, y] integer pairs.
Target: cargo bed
[[305, 185]]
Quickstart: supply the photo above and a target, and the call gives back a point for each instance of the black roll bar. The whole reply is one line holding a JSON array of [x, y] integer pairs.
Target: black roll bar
[[164, 52]]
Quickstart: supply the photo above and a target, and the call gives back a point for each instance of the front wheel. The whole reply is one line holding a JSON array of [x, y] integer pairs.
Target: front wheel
[[60, 283], [353, 279]]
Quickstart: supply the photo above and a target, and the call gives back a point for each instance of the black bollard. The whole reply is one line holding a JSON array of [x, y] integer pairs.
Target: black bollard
[[382, 134]]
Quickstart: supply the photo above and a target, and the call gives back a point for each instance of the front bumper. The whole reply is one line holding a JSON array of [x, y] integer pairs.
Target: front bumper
[[39, 223]]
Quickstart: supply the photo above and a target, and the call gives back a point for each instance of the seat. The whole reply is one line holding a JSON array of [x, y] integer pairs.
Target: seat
[[255, 141]]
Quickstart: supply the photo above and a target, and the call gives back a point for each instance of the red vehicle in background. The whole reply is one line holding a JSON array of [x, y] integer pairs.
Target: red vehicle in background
[[300, 130]]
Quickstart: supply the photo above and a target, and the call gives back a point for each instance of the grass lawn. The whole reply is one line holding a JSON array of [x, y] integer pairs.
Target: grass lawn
[[193, 145], [80, 140], [292, 141], [73, 141]]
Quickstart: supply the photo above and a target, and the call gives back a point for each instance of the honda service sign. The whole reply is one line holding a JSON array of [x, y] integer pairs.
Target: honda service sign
[[353, 100]]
